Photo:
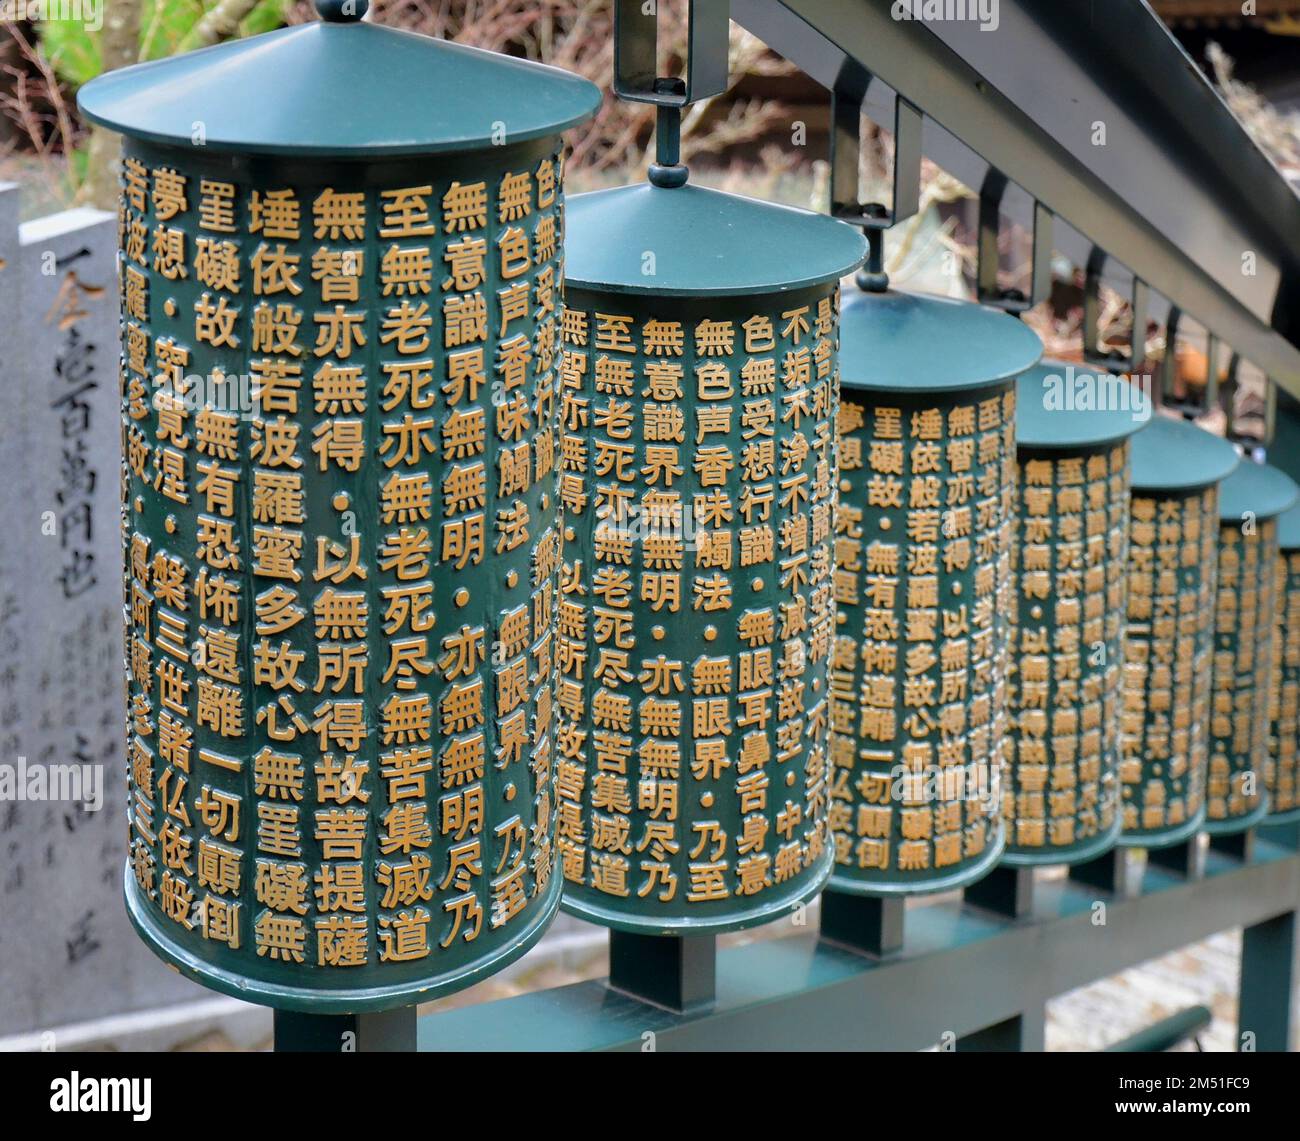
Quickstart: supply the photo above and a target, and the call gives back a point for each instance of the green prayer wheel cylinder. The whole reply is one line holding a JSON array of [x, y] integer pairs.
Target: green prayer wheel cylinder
[[1245, 617], [1061, 794], [699, 388], [340, 313], [1282, 762], [923, 586], [1168, 644]]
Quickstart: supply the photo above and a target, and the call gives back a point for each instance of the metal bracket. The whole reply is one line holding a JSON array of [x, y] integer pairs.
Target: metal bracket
[[636, 43], [1139, 303], [987, 289], [846, 145]]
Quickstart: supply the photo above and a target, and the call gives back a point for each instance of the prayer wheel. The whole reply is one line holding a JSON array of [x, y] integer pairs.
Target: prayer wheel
[[699, 388], [1061, 796], [1245, 617], [1282, 762], [923, 585], [1172, 573], [341, 285]]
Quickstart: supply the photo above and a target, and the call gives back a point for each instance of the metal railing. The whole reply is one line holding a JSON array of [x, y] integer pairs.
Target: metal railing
[[1087, 119]]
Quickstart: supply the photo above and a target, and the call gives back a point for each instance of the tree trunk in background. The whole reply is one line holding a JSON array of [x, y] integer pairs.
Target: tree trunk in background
[[222, 23], [119, 46]]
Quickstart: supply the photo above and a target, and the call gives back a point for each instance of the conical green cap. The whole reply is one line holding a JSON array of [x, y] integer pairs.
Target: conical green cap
[[1256, 489], [913, 342], [1061, 405], [1176, 455], [1288, 529], [339, 90], [689, 241]]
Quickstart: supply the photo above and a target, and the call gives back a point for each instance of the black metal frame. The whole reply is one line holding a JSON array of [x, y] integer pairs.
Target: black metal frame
[[1175, 197]]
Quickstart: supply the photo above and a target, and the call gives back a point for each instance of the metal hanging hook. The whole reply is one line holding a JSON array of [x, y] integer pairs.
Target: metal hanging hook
[[636, 43], [846, 144]]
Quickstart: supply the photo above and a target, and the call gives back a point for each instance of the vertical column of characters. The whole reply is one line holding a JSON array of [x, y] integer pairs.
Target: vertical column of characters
[[1148, 659], [806, 474], [1076, 807], [527, 535], [661, 525], [720, 848], [1241, 651], [329, 893], [138, 433], [1076, 717], [621, 522], [523, 649], [474, 255], [822, 641], [930, 824], [545, 568], [221, 652], [1038, 562], [845, 679], [1284, 780], [821, 649], [1109, 502], [276, 518], [992, 533], [879, 699], [406, 450], [1265, 635], [1197, 618], [184, 692], [200, 656], [572, 629]]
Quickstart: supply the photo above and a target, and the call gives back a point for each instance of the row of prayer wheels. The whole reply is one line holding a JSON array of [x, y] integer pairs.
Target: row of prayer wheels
[[593, 556]]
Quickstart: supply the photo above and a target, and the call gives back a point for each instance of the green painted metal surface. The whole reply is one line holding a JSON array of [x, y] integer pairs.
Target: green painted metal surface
[[923, 585], [963, 969], [1168, 647], [1256, 491], [340, 90], [1061, 405], [1174, 455], [690, 241], [1167, 662], [697, 459], [1061, 796], [342, 538], [894, 341], [1245, 622], [696, 619], [1282, 761]]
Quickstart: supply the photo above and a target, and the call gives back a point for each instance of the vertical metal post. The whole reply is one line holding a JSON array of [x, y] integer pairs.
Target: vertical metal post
[[380, 1031], [869, 924], [1186, 859], [1004, 891], [1238, 845], [1267, 989], [1110, 872], [1024, 1033], [677, 972]]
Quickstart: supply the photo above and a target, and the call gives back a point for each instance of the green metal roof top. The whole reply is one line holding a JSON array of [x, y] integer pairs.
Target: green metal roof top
[[1176, 455], [1256, 489], [339, 89], [1061, 405], [704, 243], [914, 342], [1288, 529]]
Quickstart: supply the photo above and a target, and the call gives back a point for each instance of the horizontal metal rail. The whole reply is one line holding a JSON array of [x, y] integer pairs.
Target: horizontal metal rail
[[1170, 189], [965, 975]]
